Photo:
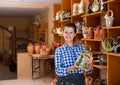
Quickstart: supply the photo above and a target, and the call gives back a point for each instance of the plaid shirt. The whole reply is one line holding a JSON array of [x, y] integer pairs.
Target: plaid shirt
[[65, 57]]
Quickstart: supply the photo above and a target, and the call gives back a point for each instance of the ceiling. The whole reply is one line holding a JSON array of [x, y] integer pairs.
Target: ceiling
[[23, 11]]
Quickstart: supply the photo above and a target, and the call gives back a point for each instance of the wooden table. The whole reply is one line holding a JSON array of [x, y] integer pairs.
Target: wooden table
[[39, 58]]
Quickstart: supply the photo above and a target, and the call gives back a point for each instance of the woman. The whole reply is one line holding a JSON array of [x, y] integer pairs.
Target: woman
[[65, 57]]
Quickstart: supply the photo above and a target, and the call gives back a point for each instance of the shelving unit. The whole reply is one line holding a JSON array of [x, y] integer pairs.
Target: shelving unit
[[95, 19], [39, 35], [91, 20]]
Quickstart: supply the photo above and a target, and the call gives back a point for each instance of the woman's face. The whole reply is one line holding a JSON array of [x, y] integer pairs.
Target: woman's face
[[69, 34]]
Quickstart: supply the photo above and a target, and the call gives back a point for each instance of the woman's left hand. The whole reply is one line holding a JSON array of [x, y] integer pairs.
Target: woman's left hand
[[89, 60]]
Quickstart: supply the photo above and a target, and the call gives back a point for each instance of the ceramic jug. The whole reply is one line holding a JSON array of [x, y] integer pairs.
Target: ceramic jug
[[37, 48], [109, 18], [75, 8], [95, 6], [81, 7], [57, 17], [30, 48]]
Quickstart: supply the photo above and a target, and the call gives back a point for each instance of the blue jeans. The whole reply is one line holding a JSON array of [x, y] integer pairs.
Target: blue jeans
[[71, 79]]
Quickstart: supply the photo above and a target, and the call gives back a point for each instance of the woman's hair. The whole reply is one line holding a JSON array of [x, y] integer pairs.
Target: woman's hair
[[70, 25]]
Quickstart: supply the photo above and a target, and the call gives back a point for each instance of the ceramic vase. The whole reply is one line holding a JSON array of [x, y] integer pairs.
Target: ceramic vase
[[95, 6], [81, 7], [30, 48], [37, 48], [75, 8], [109, 18]]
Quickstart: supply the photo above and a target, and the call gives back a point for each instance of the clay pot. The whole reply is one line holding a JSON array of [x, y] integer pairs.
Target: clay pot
[[30, 48], [81, 7], [90, 33], [43, 46], [48, 50], [42, 52], [97, 33], [102, 34], [37, 48], [109, 18]]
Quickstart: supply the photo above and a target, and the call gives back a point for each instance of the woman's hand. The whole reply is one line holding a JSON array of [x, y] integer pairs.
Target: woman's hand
[[89, 60], [71, 68]]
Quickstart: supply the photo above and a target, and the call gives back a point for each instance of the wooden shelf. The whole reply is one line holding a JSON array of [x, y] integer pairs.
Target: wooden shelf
[[90, 39], [100, 66], [66, 20], [79, 33], [106, 2], [114, 27], [95, 14], [114, 54], [76, 15]]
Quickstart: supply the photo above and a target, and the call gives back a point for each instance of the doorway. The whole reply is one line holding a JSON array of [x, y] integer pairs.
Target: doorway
[[7, 53]]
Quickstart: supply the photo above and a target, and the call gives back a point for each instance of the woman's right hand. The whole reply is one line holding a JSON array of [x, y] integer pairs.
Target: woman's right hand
[[72, 68]]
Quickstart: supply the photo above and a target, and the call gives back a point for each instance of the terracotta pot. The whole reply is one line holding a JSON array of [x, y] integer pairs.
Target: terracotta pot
[[43, 46], [30, 48], [97, 33], [42, 52], [48, 50], [37, 48], [102, 34]]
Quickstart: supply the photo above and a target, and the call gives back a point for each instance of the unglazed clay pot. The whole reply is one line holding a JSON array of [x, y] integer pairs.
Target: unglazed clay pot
[[42, 52], [97, 33], [30, 48], [90, 33], [103, 34], [48, 50], [37, 48]]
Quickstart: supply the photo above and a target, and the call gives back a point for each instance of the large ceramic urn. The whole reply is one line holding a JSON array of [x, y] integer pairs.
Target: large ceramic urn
[[30, 48], [37, 48]]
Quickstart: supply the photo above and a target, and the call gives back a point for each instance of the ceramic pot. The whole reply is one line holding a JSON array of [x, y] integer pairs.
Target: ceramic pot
[[90, 33], [81, 7], [30, 48], [95, 6], [103, 34], [75, 8], [37, 48], [97, 33], [48, 50], [109, 18], [57, 17], [42, 52]]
